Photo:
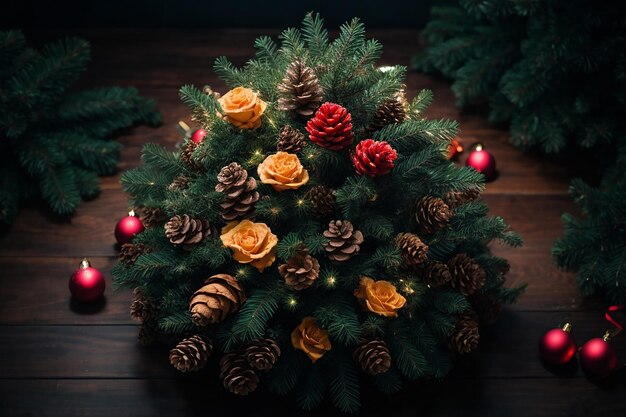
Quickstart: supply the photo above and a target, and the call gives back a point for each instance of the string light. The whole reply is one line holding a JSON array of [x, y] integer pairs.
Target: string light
[[331, 281], [300, 202]]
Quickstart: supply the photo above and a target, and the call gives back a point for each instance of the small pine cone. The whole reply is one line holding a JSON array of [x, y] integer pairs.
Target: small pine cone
[[373, 356], [322, 200], [413, 250], [179, 183], [186, 231], [301, 92], [236, 374], [457, 198], [239, 189], [262, 354], [464, 337], [147, 334], [435, 274], [391, 111], [290, 140], [487, 307], [129, 252], [151, 216], [187, 156], [219, 297], [191, 354], [300, 271], [432, 214], [467, 275], [343, 241], [142, 308]]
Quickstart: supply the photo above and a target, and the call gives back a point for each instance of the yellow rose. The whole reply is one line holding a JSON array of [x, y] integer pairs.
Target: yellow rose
[[311, 339], [242, 107], [283, 171], [379, 297], [251, 243]]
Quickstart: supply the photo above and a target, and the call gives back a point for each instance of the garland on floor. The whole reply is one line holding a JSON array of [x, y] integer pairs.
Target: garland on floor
[[317, 232], [54, 142]]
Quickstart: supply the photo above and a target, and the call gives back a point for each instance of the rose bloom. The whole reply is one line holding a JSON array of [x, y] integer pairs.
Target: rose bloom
[[283, 171], [242, 107], [379, 297], [311, 339], [251, 243]]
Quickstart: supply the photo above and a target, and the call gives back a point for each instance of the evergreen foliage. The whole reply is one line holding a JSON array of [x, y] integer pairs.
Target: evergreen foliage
[[54, 141], [379, 207]]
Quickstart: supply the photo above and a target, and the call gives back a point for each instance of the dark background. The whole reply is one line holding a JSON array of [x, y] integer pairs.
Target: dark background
[[42, 14]]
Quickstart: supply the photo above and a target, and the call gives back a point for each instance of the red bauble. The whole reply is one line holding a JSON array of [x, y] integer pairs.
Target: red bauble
[[557, 346], [482, 161], [373, 158], [198, 136], [86, 283], [127, 228], [454, 149], [598, 357], [331, 127]]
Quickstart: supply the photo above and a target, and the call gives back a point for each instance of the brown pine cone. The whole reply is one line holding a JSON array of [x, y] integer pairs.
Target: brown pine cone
[[464, 337], [413, 250], [239, 189], [191, 354], [129, 252], [322, 200], [457, 198], [186, 231], [301, 92], [236, 374], [300, 271], [435, 274], [262, 354], [373, 356], [187, 156], [142, 308], [432, 214], [467, 275], [343, 240], [290, 140], [179, 183], [220, 296], [151, 216], [487, 307], [391, 111]]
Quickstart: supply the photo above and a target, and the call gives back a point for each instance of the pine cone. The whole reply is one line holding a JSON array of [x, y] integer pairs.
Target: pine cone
[[457, 198], [413, 250], [487, 307], [331, 127], [343, 241], [435, 274], [391, 111], [467, 275], [301, 93], [300, 271], [373, 158], [191, 354], [186, 231], [322, 200], [432, 214], [239, 189], [129, 252], [142, 308], [464, 337], [151, 216], [262, 354], [236, 374], [373, 356], [179, 183], [187, 156], [290, 140], [220, 296]]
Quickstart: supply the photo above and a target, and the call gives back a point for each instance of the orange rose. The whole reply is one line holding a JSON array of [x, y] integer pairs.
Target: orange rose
[[251, 243], [379, 297], [311, 339], [283, 171], [242, 107]]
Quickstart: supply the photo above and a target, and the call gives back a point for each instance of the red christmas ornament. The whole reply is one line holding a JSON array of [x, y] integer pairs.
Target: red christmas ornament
[[198, 136], [86, 283], [598, 357], [331, 127], [557, 346], [127, 228], [373, 158], [482, 161], [454, 149]]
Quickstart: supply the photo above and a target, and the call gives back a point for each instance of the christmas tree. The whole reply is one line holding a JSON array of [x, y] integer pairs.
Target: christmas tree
[[317, 232], [54, 142]]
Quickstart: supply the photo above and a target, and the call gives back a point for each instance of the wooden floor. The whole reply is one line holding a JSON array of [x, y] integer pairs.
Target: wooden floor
[[60, 360]]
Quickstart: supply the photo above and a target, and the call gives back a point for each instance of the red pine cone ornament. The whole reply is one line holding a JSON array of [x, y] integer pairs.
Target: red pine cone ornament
[[374, 158], [331, 127]]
